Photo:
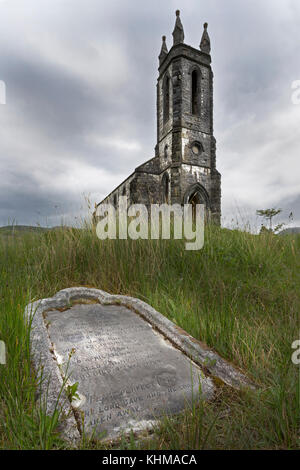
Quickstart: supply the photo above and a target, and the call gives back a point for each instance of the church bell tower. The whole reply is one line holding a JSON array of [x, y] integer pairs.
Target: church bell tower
[[186, 146]]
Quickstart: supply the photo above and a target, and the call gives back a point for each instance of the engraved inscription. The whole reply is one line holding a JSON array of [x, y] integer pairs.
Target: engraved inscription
[[126, 372]]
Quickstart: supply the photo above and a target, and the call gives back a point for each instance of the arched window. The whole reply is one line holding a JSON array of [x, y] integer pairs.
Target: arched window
[[166, 151], [195, 92], [166, 98], [165, 188]]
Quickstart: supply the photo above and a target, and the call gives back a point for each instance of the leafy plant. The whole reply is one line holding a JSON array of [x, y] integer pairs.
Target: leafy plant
[[72, 391], [268, 214]]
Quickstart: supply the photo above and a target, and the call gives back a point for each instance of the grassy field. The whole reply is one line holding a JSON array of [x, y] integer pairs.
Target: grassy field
[[239, 294]]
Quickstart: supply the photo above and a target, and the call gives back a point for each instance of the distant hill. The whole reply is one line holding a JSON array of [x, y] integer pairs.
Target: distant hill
[[290, 230], [22, 228], [10, 229]]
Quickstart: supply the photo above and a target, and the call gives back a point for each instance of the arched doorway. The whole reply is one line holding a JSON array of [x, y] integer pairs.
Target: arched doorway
[[194, 200], [197, 194]]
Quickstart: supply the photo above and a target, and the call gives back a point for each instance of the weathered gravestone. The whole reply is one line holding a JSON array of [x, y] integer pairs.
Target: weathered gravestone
[[131, 364]]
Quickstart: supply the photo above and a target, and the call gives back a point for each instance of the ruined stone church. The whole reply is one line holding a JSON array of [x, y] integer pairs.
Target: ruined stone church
[[183, 169]]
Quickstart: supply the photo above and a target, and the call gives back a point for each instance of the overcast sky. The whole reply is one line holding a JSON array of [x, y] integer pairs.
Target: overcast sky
[[80, 106]]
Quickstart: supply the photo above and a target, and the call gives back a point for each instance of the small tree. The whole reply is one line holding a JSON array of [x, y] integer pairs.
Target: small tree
[[268, 214], [264, 230]]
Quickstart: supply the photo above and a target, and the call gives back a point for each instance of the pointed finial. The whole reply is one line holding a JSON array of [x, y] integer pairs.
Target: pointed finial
[[205, 41], [178, 33], [163, 51]]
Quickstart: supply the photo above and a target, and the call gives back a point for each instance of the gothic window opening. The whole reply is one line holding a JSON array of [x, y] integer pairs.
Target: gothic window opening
[[165, 188], [166, 98], [166, 151], [195, 93]]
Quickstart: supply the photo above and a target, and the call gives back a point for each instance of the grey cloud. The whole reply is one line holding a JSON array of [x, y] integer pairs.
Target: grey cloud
[[81, 98]]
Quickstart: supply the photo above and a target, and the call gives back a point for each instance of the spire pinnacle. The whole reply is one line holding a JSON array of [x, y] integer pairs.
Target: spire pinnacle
[[178, 33], [205, 41], [163, 51]]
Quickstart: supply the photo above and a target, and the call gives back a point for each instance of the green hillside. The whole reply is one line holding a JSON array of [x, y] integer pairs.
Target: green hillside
[[239, 294]]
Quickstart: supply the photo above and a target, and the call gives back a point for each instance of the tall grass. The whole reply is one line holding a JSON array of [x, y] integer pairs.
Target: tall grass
[[239, 294]]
